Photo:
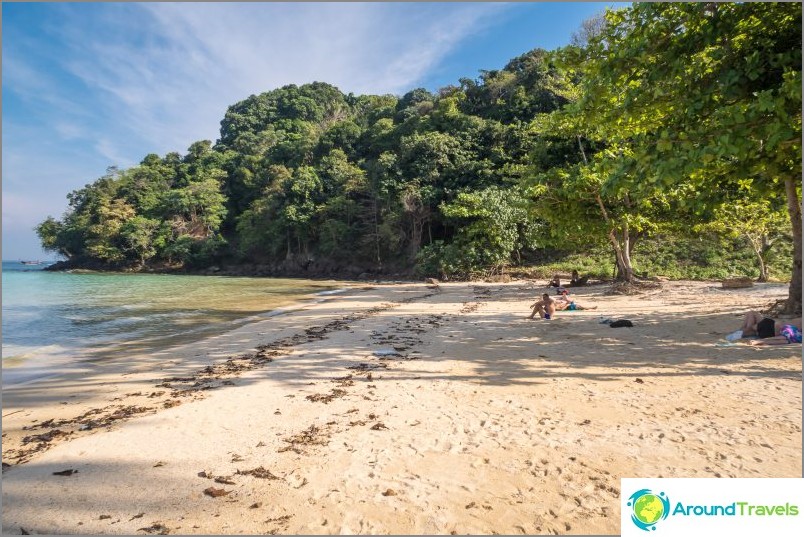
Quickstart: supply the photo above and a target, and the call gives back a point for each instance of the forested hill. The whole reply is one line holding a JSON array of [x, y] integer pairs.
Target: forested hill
[[662, 123], [308, 177]]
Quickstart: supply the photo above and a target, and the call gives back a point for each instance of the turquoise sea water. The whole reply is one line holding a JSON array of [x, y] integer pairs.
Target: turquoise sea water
[[60, 316]]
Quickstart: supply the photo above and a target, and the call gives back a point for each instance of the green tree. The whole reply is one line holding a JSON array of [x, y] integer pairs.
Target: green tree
[[491, 227], [138, 235], [197, 209], [760, 223], [708, 93]]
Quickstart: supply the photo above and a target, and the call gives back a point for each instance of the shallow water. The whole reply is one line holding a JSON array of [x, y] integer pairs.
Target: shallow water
[[51, 317]]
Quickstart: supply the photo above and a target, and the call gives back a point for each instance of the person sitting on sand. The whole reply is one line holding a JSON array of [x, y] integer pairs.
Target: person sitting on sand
[[555, 282], [577, 281], [546, 308], [565, 302]]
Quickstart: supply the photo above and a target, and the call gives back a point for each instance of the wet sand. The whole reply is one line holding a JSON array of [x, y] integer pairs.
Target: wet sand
[[405, 409]]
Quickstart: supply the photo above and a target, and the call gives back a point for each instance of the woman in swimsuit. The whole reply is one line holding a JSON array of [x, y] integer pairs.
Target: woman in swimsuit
[[788, 332]]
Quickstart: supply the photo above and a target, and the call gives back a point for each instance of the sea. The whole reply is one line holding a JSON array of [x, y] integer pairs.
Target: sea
[[51, 318]]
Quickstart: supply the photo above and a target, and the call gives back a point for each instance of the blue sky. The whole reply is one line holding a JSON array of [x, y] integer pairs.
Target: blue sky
[[91, 85]]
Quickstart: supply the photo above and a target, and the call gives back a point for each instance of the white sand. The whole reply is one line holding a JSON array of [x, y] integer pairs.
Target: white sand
[[499, 424]]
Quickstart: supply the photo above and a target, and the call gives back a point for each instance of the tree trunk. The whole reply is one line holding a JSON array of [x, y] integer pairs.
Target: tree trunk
[[793, 305], [760, 252], [622, 254], [763, 269], [377, 235], [625, 272], [632, 242], [416, 238]]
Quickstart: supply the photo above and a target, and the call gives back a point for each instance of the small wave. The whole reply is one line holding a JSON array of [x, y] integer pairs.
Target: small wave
[[332, 292], [18, 357]]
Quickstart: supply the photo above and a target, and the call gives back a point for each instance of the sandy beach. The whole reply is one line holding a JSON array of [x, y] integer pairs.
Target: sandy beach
[[399, 408]]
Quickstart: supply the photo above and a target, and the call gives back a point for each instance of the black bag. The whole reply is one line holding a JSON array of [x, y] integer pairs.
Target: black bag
[[620, 323]]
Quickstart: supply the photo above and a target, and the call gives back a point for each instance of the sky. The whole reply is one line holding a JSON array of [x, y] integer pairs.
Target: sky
[[86, 86]]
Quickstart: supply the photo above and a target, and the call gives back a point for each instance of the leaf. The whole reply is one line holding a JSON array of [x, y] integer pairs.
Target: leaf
[[259, 472]]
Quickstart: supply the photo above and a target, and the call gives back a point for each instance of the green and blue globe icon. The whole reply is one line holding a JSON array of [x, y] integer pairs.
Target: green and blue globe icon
[[648, 508]]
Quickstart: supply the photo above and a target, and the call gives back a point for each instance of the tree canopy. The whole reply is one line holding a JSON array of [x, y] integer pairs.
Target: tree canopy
[[700, 101], [652, 122]]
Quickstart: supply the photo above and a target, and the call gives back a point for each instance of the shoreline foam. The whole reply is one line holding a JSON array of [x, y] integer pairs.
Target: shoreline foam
[[36, 364]]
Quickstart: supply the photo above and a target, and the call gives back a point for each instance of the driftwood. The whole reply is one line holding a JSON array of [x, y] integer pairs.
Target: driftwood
[[738, 283]]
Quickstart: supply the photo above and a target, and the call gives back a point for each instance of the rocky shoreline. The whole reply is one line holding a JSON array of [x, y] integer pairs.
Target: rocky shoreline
[[293, 268]]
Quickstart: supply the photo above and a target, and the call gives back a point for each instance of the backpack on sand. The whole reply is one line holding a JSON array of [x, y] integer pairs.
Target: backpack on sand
[[621, 323]]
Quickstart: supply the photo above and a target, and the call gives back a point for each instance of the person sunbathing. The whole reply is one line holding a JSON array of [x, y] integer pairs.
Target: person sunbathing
[[564, 302], [766, 328], [788, 332]]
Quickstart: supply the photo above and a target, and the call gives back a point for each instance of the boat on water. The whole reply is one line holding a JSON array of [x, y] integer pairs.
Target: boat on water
[[32, 262]]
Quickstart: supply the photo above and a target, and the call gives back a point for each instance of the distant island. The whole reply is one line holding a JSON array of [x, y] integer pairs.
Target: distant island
[[583, 157]]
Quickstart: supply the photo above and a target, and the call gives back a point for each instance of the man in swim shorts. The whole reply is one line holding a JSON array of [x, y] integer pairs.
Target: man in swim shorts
[[546, 308]]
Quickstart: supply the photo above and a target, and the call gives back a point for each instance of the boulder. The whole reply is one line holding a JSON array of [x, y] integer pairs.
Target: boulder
[[737, 283]]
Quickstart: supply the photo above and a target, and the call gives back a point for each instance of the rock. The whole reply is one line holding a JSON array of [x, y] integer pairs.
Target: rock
[[737, 283], [215, 493]]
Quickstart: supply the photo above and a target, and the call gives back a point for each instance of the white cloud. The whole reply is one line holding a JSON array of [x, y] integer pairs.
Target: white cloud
[[23, 212], [69, 131], [105, 84], [31, 84], [111, 151], [192, 61]]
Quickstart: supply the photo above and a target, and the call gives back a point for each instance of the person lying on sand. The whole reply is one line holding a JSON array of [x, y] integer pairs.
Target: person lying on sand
[[546, 308], [788, 332], [756, 324], [565, 302]]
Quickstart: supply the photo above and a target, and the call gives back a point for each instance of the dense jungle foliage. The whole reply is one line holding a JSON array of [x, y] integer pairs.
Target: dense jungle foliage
[[667, 135]]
